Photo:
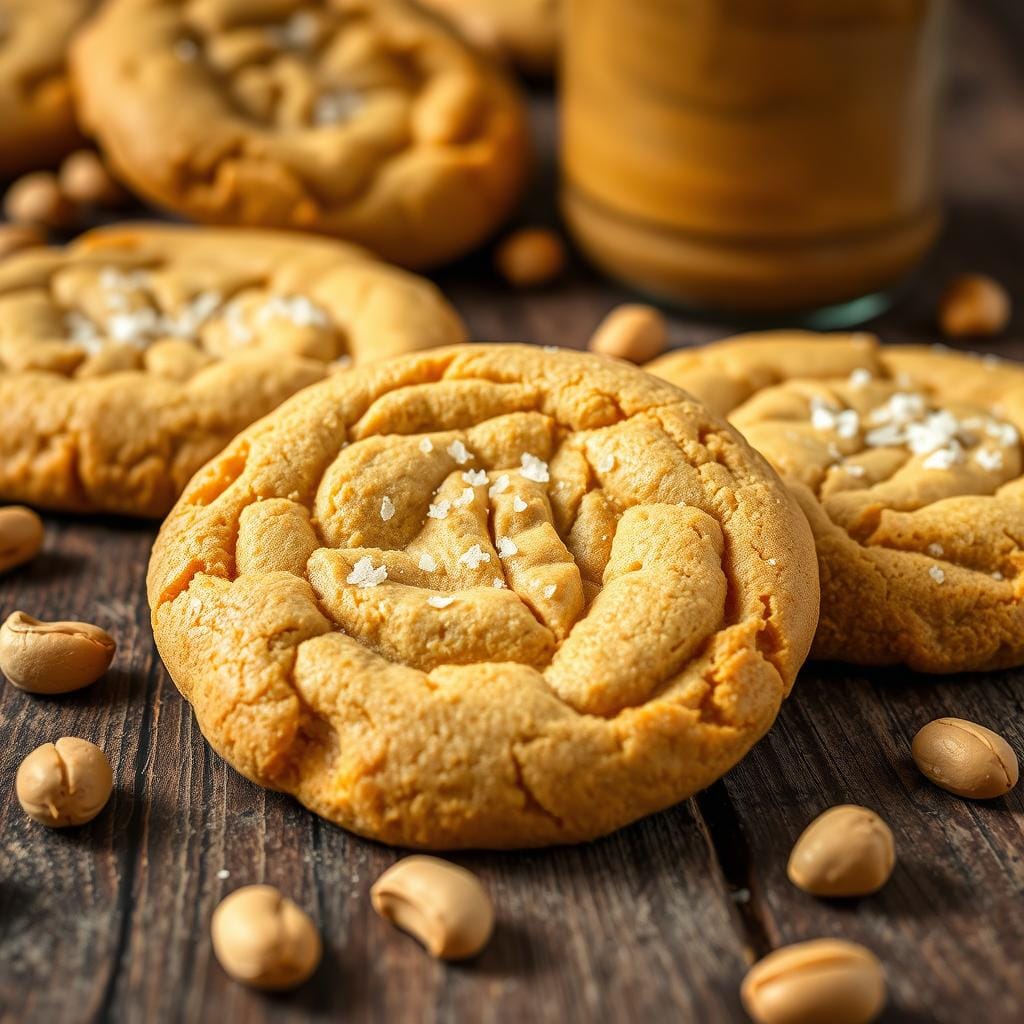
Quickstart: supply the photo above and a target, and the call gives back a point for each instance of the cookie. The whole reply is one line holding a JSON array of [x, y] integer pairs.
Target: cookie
[[907, 462], [490, 596], [524, 32], [363, 119], [131, 357], [37, 125]]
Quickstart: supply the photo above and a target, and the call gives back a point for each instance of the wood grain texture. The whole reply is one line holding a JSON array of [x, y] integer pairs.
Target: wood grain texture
[[110, 921]]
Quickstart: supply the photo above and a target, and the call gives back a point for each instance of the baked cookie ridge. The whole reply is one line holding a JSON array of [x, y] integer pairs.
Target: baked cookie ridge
[[908, 463], [494, 596]]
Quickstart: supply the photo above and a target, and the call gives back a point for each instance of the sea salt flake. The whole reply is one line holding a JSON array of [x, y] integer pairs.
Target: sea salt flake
[[507, 547], [299, 310], [476, 477], [500, 486], [466, 498], [989, 459], [944, 458], [518, 505], [440, 510], [534, 469], [997, 575], [427, 564], [439, 602], [936, 574], [364, 574], [387, 508], [549, 590], [606, 463], [498, 584], [426, 445], [223, 873], [936, 550], [773, 561], [474, 557], [459, 452], [860, 378], [855, 470]]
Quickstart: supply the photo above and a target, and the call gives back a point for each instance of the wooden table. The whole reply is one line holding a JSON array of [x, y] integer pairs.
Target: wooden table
[[656, 923]]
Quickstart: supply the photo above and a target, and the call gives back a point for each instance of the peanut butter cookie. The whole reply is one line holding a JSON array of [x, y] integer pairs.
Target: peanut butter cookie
[[907, 462], [364, 119], [135, 354], [524, 32], [37, 126], [486, 596]]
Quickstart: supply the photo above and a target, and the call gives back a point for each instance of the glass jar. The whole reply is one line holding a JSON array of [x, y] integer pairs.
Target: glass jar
[[754, 156]]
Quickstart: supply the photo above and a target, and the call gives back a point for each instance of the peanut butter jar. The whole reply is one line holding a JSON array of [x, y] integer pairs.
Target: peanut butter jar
[[754, 156]]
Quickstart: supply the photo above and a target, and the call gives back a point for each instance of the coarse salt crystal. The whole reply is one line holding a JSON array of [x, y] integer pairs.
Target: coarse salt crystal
[[936, 550], [936, 574], [474, 557], [439, 602], [387, 508], [476, 477], [459, 452], [364, 574], [507, 547], [426, 445], [439, 510], [466, 498], [500, 486], [427, 564], [606, 463], [534, 469], [989, 459], [860, 378], [549, 590], [518, 505], [944, 458], [498, 584]]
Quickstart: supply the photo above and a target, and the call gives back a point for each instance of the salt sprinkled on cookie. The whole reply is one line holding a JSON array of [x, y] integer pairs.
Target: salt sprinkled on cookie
[[499, 486], [467, 497], [936, 574], [363, 573], [476, 477], [606, 463], [534, 469], [387, 509], [459, 452], [507, 547], [427, 564], [440, 509], [426, 445], [440, 602], [518, 505], [474, 557]]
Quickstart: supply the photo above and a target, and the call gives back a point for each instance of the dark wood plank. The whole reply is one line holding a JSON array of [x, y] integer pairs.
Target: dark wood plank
[[110, 921]]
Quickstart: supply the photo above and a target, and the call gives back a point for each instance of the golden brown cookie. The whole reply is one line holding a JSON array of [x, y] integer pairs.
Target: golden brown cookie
[[487, 596], [37, 125], [907, 461], [364, 119], [132, 356], [525, 32]]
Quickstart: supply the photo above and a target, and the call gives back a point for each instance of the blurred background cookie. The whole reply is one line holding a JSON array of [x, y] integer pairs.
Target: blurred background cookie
[[37, 125], [132, 356], [368, 121]]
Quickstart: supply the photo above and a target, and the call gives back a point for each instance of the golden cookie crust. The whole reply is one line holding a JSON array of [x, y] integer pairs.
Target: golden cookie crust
[[525, 32], [495, 596], [363, 119], [132, 356], [37, 125], [907, 462]]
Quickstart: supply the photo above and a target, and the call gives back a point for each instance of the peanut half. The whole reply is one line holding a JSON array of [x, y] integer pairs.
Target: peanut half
[[530, 257], [261, 938], [64, 783], [822, 980], [633, 331], [441, 904], [847, 851], [965, 758], [21, 536], [53, 657]]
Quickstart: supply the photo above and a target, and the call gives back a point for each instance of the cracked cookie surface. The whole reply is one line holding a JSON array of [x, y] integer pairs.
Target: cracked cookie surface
[[907, 461], [37, 125], [133, 355], [491, 596], [364, 119]]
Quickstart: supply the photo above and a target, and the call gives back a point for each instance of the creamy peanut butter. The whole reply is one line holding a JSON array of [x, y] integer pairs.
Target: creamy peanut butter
[[757, 155]]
